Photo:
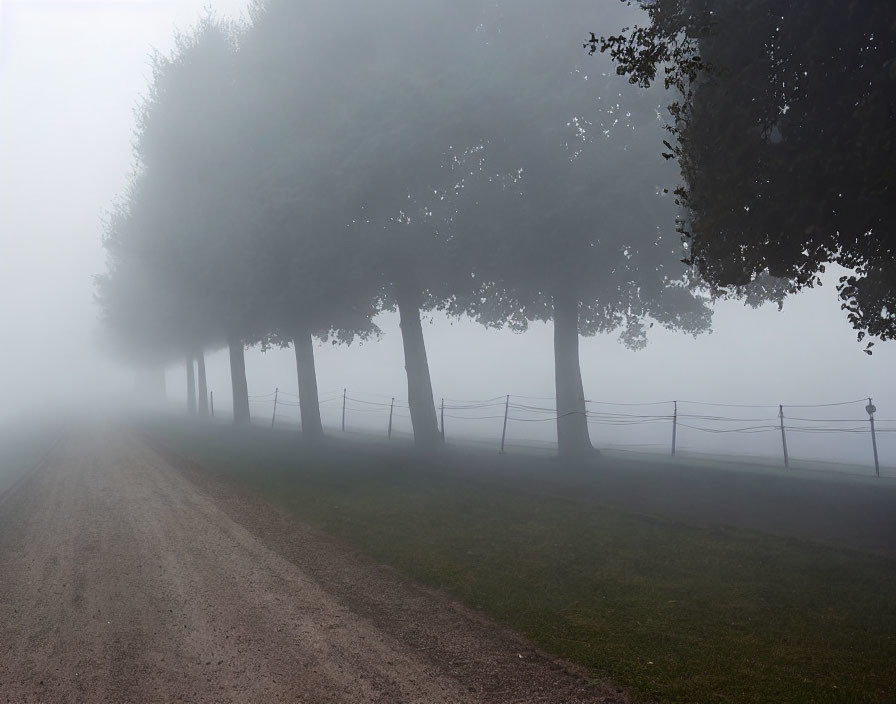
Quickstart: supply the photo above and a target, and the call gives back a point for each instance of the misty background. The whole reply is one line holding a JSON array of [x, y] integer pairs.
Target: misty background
[[71, 76]]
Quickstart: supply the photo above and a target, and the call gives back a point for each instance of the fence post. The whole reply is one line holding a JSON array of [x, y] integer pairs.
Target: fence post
[[344, 391], [276, 396], [211, 396], [870, 408], [391, 408], [504, 430], [674, 426], [783, 436], [443, 421]]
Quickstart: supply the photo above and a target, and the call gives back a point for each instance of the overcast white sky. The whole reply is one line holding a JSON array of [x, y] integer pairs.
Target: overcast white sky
[[71, 73]]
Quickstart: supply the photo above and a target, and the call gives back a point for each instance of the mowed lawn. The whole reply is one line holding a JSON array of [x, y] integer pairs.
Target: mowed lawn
[[678, 612]]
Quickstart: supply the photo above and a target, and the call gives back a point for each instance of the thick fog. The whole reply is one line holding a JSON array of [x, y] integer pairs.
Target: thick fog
[[71, 77]]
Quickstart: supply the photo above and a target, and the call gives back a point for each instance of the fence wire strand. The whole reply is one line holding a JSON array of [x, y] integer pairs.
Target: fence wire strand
[[520, 409]]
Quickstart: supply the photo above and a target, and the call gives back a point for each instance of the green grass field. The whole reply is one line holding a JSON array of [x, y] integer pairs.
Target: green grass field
[[678, 612]]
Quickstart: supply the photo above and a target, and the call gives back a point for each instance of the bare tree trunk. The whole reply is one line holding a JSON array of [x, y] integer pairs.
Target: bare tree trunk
[[191, 387], [309, 403], [203, 385], [420, 400], [572, 422], [238, 382]]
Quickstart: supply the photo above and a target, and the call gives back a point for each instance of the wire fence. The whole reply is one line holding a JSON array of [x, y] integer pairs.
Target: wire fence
[[516, 422]]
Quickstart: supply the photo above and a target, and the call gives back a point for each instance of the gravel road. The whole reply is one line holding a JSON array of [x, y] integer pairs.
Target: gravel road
[[126, 576]]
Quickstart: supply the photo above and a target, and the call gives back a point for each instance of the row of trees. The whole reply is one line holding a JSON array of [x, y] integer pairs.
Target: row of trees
[[326, 161]]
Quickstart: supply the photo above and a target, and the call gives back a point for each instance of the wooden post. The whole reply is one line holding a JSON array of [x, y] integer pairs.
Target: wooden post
[[674, 426], [504, 430], [344, 392], [871, 409], [391, 408], [783, 436], [276, 396], [443, 421], [211, 398]]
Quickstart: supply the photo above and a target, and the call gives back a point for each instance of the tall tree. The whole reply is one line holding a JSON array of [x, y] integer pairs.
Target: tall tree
[[295, 151], [575, 235], [783, 128], [341, 155], [419, 149]]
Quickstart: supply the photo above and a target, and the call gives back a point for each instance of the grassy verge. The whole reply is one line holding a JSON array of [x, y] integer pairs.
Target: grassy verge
[[683, 613]]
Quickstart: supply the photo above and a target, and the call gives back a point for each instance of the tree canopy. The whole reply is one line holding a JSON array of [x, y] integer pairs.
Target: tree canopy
[[783, 129]]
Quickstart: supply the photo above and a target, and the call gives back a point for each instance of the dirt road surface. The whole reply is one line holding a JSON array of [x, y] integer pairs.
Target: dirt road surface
[[125, 579]]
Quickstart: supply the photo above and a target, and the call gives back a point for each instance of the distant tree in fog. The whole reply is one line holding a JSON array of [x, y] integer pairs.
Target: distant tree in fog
[[356, 149], [296, 151], [137, 313], [186, 147], [148, 315]]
